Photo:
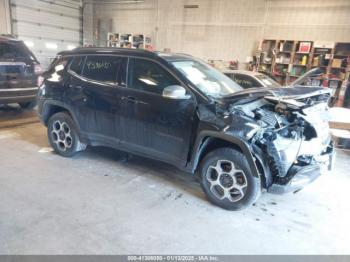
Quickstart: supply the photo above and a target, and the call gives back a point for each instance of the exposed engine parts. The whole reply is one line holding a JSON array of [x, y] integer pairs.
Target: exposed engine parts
[[292, 132]]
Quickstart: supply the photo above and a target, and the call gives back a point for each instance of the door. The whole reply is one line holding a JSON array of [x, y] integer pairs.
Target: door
[[92, 93], [154, 125], [47, 27]]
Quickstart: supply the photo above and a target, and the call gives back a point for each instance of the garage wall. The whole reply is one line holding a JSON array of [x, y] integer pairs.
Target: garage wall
[[5, 19], [88, 24], [218, 29], [309, 20], [47, 26], [124, 18], [224, 29]]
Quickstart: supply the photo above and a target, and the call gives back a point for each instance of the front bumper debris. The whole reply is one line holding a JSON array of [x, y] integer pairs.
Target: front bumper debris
[[300, 176]]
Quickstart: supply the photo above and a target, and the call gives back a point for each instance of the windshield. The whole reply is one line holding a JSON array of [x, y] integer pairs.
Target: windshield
[[210, 81], [269, 82]]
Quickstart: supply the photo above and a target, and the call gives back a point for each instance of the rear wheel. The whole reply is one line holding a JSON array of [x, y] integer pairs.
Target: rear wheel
[[63, 135], [227, 180], [27, 105]]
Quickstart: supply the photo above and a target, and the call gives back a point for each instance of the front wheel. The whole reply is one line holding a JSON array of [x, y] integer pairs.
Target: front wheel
[[63, 135], [227, 181]]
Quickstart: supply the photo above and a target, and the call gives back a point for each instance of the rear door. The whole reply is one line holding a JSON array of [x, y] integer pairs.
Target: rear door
[[91, 93]]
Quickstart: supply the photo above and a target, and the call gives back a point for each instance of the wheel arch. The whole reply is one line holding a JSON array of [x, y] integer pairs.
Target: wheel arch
[[208, 141], [52, 107]]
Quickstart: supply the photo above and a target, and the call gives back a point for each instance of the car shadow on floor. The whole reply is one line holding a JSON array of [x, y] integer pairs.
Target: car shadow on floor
[[185, 181], [13, 115], [11, 110]]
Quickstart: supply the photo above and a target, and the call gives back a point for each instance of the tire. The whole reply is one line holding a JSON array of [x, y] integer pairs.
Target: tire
[[227, 180], [63, 135], [27, 105]]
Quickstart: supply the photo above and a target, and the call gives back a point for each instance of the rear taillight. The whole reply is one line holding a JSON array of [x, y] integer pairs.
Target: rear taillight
[[40, 81], [38, 69]]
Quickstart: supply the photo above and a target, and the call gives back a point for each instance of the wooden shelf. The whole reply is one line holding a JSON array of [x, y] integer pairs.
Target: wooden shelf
[[334, 67], [341, 55], [278, 74], [314, 55]]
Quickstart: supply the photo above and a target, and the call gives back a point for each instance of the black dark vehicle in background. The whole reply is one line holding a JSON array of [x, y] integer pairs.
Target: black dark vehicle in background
[[177, 109], [18, 73]]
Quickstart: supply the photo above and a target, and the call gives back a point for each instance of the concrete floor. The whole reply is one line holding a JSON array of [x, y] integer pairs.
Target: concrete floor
[[101, 203]]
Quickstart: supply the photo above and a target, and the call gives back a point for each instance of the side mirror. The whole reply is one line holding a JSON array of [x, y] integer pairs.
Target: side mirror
[[175, 92]]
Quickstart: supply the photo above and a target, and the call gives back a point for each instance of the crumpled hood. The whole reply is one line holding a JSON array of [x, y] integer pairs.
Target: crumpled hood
[[297, 92]]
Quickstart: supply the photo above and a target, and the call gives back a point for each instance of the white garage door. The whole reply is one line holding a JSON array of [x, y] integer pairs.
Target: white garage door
[[47, 26], [5, 23]]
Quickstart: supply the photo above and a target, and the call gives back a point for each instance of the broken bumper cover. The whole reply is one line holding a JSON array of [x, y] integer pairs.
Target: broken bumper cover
[[300, 176]]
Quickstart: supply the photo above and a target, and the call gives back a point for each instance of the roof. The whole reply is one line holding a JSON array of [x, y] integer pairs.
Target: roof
[[98, 50], [125, 51], [242, 72]]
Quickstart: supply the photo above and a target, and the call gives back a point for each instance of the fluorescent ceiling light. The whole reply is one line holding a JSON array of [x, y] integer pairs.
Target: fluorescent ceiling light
[[29, 43], [70, 47], [51, 46]]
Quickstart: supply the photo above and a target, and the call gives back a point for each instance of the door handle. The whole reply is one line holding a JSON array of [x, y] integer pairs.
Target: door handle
[[129, 99]]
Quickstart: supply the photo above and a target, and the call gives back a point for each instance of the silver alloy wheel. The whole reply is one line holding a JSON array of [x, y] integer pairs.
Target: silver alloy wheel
[[61, 135], [226, 181]]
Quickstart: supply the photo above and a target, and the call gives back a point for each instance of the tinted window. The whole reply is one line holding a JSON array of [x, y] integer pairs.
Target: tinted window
[[246, 81], [148, 76], [15, 49], [122, 73], [57, 69], [102, 68], [269, 82], [77, 64]]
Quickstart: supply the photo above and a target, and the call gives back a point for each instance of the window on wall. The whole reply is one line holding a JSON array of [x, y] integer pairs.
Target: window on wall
[[102, 68], [148, 76]]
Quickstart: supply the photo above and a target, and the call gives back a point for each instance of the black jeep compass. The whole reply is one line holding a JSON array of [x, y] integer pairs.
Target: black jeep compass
[[19, 70], [177, 109]]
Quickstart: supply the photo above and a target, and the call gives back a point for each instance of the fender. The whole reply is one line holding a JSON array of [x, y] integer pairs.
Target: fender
[[202, 142], [44, 110]]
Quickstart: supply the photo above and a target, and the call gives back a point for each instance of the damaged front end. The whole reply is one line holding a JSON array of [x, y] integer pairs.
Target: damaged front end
[[290, 137]]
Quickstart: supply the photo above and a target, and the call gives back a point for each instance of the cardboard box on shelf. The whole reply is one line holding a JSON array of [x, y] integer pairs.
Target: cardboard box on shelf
[[336, 62]]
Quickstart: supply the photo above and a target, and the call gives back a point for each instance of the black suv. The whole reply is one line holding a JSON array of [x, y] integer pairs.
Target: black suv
[[18, 73], [177, 109]]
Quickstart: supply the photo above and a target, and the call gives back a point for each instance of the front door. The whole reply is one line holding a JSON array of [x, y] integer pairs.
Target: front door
[[154, 125]]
